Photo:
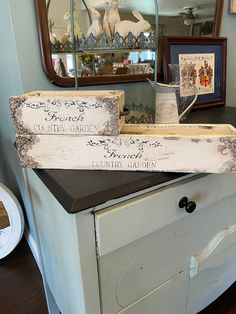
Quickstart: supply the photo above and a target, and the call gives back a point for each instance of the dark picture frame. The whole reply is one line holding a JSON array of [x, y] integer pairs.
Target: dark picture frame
[[173, 46]]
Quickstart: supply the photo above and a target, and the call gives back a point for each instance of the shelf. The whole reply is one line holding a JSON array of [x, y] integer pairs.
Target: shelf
[[98, 51], [106, 44]]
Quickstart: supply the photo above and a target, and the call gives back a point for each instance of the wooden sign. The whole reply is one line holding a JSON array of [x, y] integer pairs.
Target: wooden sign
[[173, 148], [4, 219], [70, 112]]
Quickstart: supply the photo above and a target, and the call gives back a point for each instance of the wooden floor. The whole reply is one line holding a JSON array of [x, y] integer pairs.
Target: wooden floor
[[226, 303], [21, 289]]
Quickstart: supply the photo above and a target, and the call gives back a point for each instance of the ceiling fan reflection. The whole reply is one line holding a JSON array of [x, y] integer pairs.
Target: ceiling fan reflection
[[189, 15]]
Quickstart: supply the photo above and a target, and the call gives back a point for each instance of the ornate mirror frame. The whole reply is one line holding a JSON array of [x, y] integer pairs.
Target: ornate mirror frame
[[45, 46]]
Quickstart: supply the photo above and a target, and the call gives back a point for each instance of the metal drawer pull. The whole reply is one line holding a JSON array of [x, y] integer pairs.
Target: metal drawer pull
[[190, 206]]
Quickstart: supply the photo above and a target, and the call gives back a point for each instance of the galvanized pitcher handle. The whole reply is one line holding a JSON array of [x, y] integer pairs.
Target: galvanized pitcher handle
[[192, 103]]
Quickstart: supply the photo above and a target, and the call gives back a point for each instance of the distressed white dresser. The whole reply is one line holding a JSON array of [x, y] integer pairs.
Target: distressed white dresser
[[140, 253], [154, 257]]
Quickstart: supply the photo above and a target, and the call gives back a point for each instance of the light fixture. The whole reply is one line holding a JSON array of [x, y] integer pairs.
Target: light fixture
[[189, 15], [188, 21]]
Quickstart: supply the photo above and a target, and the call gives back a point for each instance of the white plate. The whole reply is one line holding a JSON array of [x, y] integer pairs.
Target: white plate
[[10, 236]]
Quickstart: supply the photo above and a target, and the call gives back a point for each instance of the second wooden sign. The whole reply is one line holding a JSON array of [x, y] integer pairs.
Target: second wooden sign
[[71, 112], [173, 148]]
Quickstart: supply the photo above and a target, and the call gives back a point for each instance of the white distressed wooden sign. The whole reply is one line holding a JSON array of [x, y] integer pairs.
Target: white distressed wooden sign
[[173, 148], [71, 112]]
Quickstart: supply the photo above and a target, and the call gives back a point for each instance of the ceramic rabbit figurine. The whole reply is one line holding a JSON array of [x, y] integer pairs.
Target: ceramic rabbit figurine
[[124, 27], [77, 30], [111, 17], [95, 28]]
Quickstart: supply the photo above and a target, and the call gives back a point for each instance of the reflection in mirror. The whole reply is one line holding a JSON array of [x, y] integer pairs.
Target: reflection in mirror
[[113, 61], [112, 38], [194, 18]]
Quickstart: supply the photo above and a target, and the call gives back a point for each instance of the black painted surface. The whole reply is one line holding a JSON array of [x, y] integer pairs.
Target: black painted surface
[[213, 115], [77, 190]]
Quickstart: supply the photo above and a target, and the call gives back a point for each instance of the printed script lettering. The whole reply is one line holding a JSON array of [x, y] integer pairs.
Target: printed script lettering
[[60, 128], [118, 158], [133, 165], [112, 153], [53, 116]]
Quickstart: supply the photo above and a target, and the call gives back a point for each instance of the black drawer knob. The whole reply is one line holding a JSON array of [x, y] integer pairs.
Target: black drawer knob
[[183, 202], [189, 206]]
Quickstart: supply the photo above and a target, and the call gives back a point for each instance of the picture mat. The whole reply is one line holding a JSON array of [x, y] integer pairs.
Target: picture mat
[[203, 76]]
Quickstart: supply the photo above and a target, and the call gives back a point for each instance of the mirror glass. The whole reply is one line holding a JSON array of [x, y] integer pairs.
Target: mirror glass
[[103, 42], [184, 18], [97, 49]]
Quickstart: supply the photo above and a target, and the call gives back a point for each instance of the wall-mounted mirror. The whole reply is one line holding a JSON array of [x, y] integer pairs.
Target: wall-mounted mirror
[[87, 42], [83, 46], [190, 18]]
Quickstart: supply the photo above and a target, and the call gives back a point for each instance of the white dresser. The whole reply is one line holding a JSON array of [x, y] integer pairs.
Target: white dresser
[[141, 254], [154, 257]]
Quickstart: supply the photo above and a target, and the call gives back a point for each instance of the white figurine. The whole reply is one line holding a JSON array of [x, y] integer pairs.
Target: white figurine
[[52, 36], [77, 30], [111, 17], [124, 27], [95, 28]]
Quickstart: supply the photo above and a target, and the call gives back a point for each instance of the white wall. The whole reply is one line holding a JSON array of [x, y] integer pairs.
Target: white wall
[[21, 71], [228, 29]]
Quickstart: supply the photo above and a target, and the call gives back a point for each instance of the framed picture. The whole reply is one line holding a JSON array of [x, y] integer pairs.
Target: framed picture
[[232, 6], [208, 55]]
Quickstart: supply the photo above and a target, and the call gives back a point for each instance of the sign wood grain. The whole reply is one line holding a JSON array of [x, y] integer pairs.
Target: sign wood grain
[[179, 148], [71, 112], [4, 219]]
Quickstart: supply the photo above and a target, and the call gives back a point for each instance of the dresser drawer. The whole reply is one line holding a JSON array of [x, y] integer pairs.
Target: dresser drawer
[[146, 257], [170, 298], [124, 223]]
